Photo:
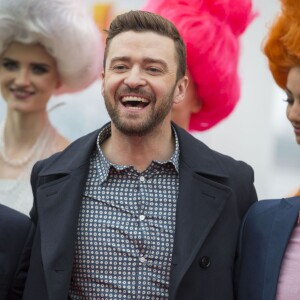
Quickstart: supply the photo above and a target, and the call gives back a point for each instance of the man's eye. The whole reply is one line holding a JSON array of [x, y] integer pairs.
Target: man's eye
[[154, 70], [119, 67]]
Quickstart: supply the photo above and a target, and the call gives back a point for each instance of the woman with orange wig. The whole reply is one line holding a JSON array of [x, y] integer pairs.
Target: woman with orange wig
[[269, 247]]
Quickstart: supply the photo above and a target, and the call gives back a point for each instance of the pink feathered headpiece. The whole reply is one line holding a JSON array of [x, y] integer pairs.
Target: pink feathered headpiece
[[211, 30]]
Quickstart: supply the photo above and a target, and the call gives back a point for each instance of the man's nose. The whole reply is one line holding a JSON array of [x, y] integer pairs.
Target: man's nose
[[134, 78]]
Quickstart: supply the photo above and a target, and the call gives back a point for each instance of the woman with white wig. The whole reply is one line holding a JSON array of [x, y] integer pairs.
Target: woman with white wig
[[47, 47]]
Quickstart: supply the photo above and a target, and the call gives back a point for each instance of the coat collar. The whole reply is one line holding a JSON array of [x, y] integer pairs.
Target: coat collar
[[197, 156], [286, 216], [58, 205], [190, 147], [73, 157], [202, 198]]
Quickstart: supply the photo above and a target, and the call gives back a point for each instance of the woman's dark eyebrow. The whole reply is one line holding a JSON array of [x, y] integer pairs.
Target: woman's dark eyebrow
[[288, 91], [40, 64], [8, 59]]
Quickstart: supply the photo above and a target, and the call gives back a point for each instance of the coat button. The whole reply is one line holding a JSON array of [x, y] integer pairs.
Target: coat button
[[204, 262]]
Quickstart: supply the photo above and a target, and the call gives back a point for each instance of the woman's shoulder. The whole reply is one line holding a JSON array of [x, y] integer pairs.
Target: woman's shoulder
[[13, 219], [266, 209], [261, 209], [265, 204], [61, 143], [57, 143]]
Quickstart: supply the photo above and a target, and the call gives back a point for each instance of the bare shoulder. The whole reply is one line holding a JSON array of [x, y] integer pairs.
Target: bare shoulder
[[61, 143]]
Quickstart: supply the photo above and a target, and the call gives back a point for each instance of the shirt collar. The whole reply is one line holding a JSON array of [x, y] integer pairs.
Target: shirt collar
[[103, 166]]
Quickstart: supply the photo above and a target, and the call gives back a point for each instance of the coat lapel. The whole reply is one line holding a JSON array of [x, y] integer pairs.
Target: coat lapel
[[58, 206], [200, 203], [283, 225]]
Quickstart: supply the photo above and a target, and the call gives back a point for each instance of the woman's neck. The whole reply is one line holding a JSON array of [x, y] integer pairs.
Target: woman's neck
[[21, 136], [23, 130]]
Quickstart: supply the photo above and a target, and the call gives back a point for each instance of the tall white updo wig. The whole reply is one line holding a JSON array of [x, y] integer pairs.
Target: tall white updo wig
[[67, 31]]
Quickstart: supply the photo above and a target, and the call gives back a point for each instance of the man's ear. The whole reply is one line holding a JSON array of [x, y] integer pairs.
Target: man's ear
[[180, 89], [102, 82]]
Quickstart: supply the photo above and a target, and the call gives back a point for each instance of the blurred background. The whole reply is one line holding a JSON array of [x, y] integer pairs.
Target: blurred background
[[257, 132]]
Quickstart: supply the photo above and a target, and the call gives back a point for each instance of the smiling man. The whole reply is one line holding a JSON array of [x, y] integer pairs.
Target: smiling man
[[138, 209], [140, 83]]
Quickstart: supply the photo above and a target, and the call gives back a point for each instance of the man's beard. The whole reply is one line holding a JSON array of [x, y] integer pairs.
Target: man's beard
[[140, 128]]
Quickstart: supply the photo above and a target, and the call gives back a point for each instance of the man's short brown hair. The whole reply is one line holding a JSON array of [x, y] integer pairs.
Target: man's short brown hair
[[142, 21]]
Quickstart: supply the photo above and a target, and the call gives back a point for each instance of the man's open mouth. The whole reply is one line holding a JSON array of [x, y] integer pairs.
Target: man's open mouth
[[134, 102]]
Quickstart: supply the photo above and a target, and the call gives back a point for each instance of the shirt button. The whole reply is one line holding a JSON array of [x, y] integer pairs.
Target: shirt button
[[142, 217], [142, 259], [142, 179]]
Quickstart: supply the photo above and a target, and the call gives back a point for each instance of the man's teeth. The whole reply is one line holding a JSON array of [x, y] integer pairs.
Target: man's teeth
[[134, 98], [134, 102]]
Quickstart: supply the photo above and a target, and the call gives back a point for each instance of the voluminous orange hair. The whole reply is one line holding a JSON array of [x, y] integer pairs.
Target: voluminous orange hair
[[282, 44]]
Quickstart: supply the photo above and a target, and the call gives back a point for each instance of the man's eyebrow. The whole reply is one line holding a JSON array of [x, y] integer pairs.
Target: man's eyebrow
[[156, 61], [120, 58], [145, 60]]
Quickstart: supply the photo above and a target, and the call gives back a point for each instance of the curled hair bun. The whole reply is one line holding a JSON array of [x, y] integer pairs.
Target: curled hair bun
[[67, 31], [282, 44], [210, 30], [291, 8]]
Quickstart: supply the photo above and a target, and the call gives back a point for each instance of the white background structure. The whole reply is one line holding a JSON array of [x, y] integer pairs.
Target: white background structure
[[256, 132]]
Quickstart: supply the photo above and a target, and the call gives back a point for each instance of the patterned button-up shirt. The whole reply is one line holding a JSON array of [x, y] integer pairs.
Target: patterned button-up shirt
[[126, 228]]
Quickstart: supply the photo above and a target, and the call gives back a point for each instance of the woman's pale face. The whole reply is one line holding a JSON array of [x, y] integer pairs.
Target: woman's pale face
[[28, 77], [293, 100]]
